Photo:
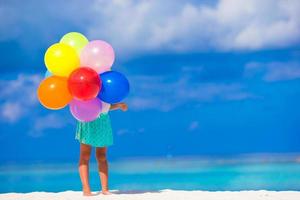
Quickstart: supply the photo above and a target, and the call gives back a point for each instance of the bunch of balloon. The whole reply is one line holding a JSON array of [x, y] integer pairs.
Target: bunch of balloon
[[79, 74]]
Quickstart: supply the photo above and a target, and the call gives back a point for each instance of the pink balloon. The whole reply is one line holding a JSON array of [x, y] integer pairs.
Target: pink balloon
[[98, 55], [105, 107], [86, 111]]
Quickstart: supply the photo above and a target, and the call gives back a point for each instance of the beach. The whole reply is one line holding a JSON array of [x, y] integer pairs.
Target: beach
[[159, 195]]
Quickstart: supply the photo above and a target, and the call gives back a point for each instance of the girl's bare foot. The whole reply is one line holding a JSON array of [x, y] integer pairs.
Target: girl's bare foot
[[87, 192], [106, 192]]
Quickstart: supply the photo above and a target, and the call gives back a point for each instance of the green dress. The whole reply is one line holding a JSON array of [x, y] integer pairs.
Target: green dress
[[97, 133]]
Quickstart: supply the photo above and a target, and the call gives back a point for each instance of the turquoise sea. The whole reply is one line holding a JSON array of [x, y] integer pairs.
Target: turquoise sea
[[250, 173]]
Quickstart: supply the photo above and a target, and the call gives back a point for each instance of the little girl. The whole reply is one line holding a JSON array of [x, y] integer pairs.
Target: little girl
[[97, 133]]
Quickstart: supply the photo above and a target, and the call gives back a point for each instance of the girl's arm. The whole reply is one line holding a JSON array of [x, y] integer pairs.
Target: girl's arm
[[122, 106]]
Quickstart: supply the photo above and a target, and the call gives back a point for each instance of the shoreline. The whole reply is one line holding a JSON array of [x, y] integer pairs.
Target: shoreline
[[165, 194]]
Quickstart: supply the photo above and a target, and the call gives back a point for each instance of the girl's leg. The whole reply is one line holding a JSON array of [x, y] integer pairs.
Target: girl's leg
[[103, 168], [85, 153]]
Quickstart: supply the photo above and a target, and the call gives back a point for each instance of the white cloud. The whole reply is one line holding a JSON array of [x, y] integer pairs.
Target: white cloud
[[50, 121], [158, 93], [189, 26], [126, 131], [282, 71], [194, 125], [135, 27], [11, 111], [123, 131], [18, 101], [274, 71], [18, 96]]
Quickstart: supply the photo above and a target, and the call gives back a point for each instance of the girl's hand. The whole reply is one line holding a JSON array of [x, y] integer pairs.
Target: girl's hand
[[123, 106]]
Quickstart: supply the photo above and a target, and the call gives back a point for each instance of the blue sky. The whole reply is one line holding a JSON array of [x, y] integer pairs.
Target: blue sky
[[207, 77]]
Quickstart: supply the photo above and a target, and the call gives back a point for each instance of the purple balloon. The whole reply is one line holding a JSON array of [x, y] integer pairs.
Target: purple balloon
[[86, 111]]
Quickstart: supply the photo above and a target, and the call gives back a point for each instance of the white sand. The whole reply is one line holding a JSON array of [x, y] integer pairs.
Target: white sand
[[161, 195]]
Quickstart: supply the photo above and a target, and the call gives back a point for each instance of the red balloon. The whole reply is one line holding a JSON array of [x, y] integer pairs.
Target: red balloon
[[84, 83]]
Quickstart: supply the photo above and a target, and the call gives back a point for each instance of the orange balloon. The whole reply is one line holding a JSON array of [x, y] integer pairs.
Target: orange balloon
[[53, 92]]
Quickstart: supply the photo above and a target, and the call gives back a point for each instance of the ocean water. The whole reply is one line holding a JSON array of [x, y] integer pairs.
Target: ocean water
[[156, 174]]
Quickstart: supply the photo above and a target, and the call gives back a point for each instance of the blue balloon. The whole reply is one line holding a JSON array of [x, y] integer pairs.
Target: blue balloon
[[115, 87], [47, 74]]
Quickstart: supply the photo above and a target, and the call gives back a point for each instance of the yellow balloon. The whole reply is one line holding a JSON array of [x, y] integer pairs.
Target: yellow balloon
[[61, 59], [75, 40]]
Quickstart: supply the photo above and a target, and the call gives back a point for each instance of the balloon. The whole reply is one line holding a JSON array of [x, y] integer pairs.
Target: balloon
[[98, 55], [61, 59], [76, 40], [53, 92], [47, 74], [85, 111], [105, 107], [84, 83], [115, 87]]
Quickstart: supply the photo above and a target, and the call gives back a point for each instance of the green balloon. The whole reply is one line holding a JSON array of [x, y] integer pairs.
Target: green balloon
[[75, 40]]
